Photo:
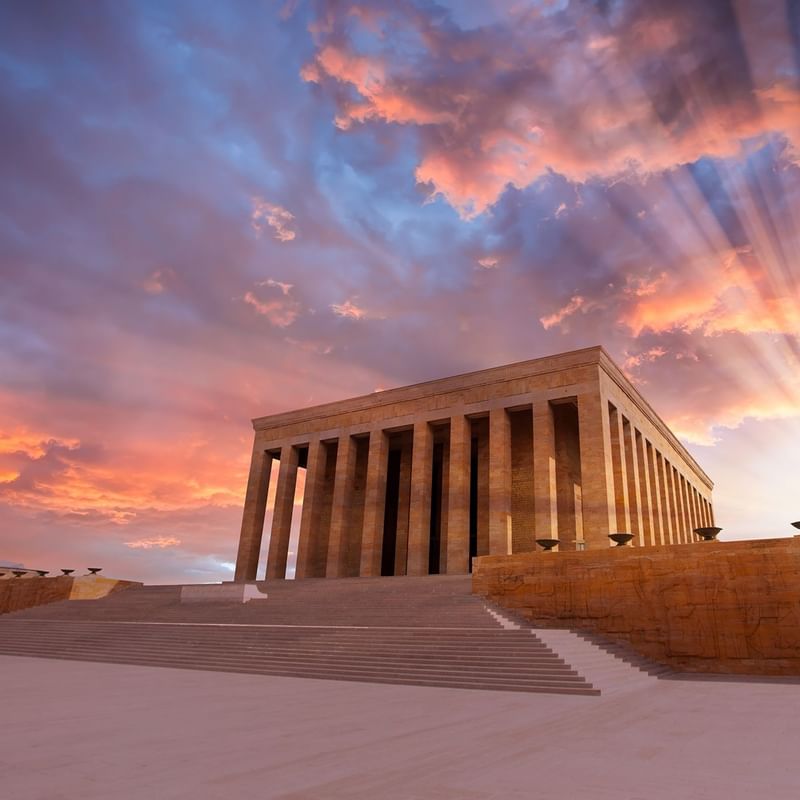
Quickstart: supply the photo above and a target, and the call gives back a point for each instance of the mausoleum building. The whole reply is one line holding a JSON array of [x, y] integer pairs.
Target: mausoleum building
[[419, 479]]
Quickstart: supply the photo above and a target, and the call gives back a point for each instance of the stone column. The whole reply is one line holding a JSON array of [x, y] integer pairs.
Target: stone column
[[673, 504], [654, 468], [666, 505], [458, 496], [499, 482], [374, 504], [676, 488], [695, 511], [634, 483], [309, 519], [687, 520], [545, 497], [597, 471], [255, 506], [419, 523], [647, 489], [403, 509], [342, 497], [621, 502], [282, 516]]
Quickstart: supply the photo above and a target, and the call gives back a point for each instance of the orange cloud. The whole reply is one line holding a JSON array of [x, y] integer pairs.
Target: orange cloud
[[82, 481], [637, 360], [713, 295], [576, 303]]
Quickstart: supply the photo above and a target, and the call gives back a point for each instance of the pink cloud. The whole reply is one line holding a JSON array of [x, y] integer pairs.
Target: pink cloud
[[281, 311], [380, 99], [159, 542], [489, 120], [158, 280], [272, 216], [350, 310], [576, 303]]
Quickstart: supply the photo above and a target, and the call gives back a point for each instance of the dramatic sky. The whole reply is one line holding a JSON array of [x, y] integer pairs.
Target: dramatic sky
[[211, 211]]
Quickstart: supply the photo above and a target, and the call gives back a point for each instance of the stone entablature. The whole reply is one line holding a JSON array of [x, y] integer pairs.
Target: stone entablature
[[420, 478]]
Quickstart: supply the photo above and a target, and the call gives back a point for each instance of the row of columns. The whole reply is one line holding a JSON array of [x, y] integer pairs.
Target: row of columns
[[654, 500], [619, 481]]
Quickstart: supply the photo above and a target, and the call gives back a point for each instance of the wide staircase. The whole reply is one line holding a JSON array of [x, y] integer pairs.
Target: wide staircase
[[421, 631]]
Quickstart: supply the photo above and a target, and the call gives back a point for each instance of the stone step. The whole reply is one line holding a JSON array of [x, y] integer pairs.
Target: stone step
[[180, 657], [445, 636], [381, 676], [409, 631], [465, 657]]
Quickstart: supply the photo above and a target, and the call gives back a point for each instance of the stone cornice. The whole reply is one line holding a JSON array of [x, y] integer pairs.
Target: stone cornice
[[589, 356], [547, 364]]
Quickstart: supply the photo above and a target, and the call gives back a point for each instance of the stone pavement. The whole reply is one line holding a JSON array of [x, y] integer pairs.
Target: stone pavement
[[89, 730]]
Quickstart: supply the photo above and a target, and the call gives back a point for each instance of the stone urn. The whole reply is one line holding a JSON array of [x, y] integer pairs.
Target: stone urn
[[42, 572], [18, 573], [621, 539], [548, 544], [68, 571], [708, 534], [796, 524], [94, 570]]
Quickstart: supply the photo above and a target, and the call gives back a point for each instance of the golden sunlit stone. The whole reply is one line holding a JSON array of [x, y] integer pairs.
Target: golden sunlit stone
[[417, 480]]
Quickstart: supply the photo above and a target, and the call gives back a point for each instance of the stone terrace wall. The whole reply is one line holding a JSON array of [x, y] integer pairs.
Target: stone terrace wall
[[21, 593], [729, 607]]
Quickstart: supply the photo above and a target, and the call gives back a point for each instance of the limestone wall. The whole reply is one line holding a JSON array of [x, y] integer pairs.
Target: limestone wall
[[20, 593], [730, 607]]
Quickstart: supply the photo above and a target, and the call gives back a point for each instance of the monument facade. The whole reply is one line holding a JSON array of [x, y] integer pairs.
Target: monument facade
[[417, 480]]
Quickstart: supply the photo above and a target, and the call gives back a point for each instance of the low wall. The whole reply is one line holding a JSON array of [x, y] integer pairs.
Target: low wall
[[21, 593], [730, 607]]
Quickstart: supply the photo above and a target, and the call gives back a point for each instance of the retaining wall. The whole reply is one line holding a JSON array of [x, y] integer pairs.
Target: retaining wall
[[730, 607], [21, 593]]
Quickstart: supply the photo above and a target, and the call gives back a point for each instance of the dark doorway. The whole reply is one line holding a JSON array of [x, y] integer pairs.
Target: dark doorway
[[390, 513], [436, 509], [473, 501]]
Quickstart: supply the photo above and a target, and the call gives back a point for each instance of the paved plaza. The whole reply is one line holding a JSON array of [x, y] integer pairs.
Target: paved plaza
[[89, 730]]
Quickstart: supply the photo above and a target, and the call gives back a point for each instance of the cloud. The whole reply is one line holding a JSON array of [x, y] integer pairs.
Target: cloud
[[726, 292], [81, 480], [350, 310], [638, 359], [273, 216], [489, 262], [281, 310], [159, 542], [157, 281], [576, 303], [284, 287], [503, 105]]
